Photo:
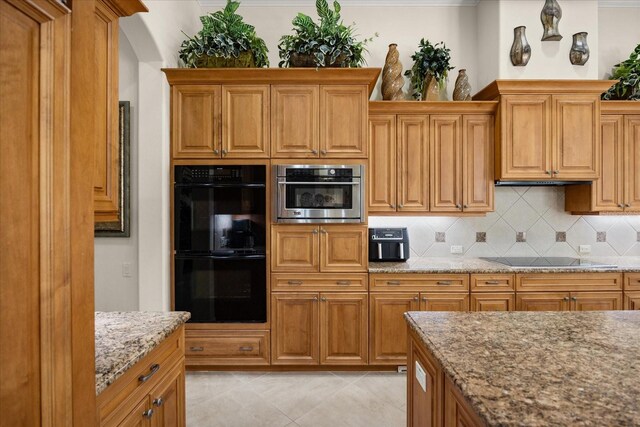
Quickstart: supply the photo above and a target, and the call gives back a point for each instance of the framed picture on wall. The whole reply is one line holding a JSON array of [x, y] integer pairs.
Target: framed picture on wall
[[120, 228]]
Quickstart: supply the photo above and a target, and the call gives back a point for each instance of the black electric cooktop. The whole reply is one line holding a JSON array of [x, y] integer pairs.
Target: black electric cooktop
[[542, 262]]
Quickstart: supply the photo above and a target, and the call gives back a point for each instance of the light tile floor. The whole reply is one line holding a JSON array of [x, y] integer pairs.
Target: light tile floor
[[296, 399]]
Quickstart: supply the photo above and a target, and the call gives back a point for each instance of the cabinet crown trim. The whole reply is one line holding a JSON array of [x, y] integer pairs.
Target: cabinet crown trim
[[240, 76], [437, 107], [514, 87], [124, 8], [620, 107]]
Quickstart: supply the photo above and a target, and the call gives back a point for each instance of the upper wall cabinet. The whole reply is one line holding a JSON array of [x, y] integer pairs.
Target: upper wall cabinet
[[431, 157], [261, 113], [618, 188], [547, 129]]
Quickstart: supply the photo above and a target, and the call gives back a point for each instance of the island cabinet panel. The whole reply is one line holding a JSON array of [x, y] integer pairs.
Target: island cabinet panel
[[525, 137], [413, 163], [445, 148], [492, 282], [424, 388], [294, 248], [245, 121], [135, 418], [632, 167], [343, 248], [477, 163], [576, 136], [343, 328], [207, 348], [295, 329], [596, 301], [457, 412], [435, 301], [632, 300], [420, 282], [569, 282], [382, 171], [195, 121], [387, 327], [343, 121], [295, 132], [167, 401], [543, 301], [632, 282], [493, 301]]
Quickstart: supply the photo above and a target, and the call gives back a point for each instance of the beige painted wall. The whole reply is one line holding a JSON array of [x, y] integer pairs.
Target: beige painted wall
[[619, 29]]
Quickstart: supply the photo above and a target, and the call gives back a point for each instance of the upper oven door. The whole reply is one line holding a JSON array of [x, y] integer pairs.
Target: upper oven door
[[319, 194]]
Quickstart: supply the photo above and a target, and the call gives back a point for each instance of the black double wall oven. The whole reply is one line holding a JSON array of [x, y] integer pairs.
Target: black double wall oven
[[220, 243]]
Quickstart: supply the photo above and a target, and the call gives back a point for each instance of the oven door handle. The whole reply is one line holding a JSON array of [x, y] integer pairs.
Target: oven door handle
[[318, 183]]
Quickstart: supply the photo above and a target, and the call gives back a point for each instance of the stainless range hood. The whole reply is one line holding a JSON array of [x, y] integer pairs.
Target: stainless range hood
[[538, 183]]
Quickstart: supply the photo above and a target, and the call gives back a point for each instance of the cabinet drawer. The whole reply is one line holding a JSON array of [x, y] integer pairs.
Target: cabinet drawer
[[632, 282], [310, 282], [420, 282], [227, 348], [122, 395], [492, 282], [632, 300], [569, 282]]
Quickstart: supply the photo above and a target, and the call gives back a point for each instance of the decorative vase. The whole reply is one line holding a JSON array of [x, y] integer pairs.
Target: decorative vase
[[392, 80], [430, 89], [520, 50], [579, 54], [550, 16], [462, 91]]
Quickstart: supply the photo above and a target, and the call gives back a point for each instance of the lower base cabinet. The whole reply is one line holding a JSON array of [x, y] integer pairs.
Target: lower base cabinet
[[568, 301], [206, 347], [505, 301], [632, 301], [310, 328]]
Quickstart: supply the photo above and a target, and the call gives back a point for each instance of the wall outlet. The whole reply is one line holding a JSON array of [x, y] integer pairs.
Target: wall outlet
[[456, 249], [126, 269], [584, 249]]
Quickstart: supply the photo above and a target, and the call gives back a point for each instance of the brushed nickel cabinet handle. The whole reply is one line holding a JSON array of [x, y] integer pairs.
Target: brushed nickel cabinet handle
[[148, 413], [444, 282], [246, 348], [315, 298], [323, 152], [621, 205], [196, 348], [315, 231], [323, 231], [547, 172], [458, 206], [627, 205], [574, 298], [465, 206], [323, 299], [295, 282], [158, 402], [556, 172], [401, 206], [216, 151], [343, 282], [415, 298], [224, 152], [314, 151], [492, 282], [393, 282], [424, 299], [154, 368], [565, 299]]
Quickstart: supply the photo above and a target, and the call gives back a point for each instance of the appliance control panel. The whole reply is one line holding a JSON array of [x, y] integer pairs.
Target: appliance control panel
[[396, 234]]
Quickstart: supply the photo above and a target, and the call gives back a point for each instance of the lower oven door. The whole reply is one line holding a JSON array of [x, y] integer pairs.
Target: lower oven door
[[319, 201], [222, 289]]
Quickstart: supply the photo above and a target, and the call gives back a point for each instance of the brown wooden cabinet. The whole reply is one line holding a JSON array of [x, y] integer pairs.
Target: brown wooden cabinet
[[245, 121], [413, 163], [433, 301], [340, 248], [223, 347], [424, 388], [295, 328], [295, 121], [569, 301], [596, 301], [387, 327], [477, 163], [195, 126], [383, 152], [632, 300], [493, 301], [167, 401], [343, 328], [343, 121], [632, 166], [445, 148], [135, 418]]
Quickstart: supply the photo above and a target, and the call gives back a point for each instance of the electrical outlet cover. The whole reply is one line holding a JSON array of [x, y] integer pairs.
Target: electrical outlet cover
[[585, 249], [456, 249]]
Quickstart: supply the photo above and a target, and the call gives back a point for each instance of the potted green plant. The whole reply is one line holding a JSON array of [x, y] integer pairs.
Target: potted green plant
[[225, 40], [327, 44], [430, 69], [628, 75]]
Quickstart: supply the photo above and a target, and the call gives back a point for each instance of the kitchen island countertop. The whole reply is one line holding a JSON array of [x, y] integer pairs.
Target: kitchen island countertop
[[539, 368], [123, 338]]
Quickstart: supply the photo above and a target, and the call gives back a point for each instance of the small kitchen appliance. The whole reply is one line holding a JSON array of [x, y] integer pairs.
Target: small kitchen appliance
[[388, 244]]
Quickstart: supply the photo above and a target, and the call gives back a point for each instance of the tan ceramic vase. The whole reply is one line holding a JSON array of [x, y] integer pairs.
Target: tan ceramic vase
[[462, 90], [430, 89], [392, 80]]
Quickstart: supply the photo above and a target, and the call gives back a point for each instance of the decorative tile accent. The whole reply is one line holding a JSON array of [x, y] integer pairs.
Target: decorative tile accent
[[440, 236], [481, 236], [521, 236], [638, 236], [601, 236], [561, 236]]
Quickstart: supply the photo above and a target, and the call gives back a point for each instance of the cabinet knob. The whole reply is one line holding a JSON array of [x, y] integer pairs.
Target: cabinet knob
[[565, 299], [323, 152], [621, 205], [323, 231], [415, 298], [574, 298], [158, 402], [323, 299], [314, 151], [224, 152], [315, 298], [392, 206], [627, 205], [556, 172], [465, 206], [148, 413], [424, 299], [315, 231], [216, 151], [458, 206], [401, 206], [547, 172]]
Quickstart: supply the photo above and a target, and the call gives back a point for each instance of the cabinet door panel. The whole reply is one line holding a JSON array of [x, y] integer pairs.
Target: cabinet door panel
[[245, 121], [167, 400], [294, 248], [382, 163], [425, 404], [343, 248], [543, 301], [413, 163], [632, 300], [576, 136], [596, 301], [444, 302], [295, 328], [294, 121], [195, 125], [632, 169], [387, 327], [526, 137], [609, 188], [445, 148], [477, 163], [343, 328], [493, 302], [343, 121]]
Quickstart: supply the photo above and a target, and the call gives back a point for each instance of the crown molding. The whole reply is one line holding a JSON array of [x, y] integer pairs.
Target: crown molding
[[390, 3], [618, 3]]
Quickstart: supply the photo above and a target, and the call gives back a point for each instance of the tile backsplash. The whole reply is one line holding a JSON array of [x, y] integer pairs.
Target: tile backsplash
[[528, 221]]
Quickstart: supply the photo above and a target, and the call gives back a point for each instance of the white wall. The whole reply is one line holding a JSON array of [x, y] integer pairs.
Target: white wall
[[619, 29], [112, 290]]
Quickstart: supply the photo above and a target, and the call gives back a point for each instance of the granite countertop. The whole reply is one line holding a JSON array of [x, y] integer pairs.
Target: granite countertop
[[446, 265], [123, 338], [540, 369]]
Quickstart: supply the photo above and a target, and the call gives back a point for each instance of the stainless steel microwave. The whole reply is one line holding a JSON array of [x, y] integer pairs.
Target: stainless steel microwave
[[319, 193]]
